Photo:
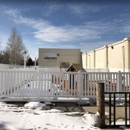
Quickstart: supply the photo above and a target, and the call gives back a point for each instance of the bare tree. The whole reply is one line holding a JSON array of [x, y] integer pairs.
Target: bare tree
[[1, 52], [15, 48], [0, 43]]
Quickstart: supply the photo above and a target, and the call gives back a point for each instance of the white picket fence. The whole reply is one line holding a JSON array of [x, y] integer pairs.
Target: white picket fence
[[58, 86], [97, 69]]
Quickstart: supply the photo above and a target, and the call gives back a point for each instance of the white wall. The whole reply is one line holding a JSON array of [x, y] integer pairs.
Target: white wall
[[115, 57]]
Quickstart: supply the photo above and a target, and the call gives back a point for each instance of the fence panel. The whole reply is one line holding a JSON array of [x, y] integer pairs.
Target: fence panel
[[125, 82], [91, 78]]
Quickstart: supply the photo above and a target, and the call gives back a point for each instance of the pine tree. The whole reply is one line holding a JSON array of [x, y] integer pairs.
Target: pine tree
[[30, 62]]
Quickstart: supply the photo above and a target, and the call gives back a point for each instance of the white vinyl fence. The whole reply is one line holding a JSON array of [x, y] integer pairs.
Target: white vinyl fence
[[97, 69], [9, 66], [59, 86]]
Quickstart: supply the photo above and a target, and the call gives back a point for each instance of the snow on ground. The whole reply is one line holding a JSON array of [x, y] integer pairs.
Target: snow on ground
[[32, 117]]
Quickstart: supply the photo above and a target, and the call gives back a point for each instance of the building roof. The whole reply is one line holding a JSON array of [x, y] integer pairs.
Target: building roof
[[77, 67], [58, 49], [64, 64]]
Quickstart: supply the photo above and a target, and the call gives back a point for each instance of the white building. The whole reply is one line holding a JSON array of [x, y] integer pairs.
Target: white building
[[115, 57], [53, 57]]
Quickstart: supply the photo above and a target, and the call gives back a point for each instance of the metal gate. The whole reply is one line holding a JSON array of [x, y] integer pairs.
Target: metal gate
[[114, 103]]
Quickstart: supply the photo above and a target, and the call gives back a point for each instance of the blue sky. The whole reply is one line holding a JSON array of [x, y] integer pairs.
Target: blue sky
[[79, 24]]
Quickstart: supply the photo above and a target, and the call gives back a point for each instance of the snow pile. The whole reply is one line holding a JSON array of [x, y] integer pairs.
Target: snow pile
[[34, 105], [120, 122], [90, 119]]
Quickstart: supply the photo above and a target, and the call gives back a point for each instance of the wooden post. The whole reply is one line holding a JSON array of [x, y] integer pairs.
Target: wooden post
[[79, 85], [100, 105]]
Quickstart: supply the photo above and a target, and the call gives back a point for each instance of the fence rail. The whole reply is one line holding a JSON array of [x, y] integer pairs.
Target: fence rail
[[38, 84]]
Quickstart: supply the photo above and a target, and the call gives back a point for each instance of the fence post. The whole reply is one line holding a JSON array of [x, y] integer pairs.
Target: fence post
[[80, 85], [100, 105], [39, 85], [119, 83]]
